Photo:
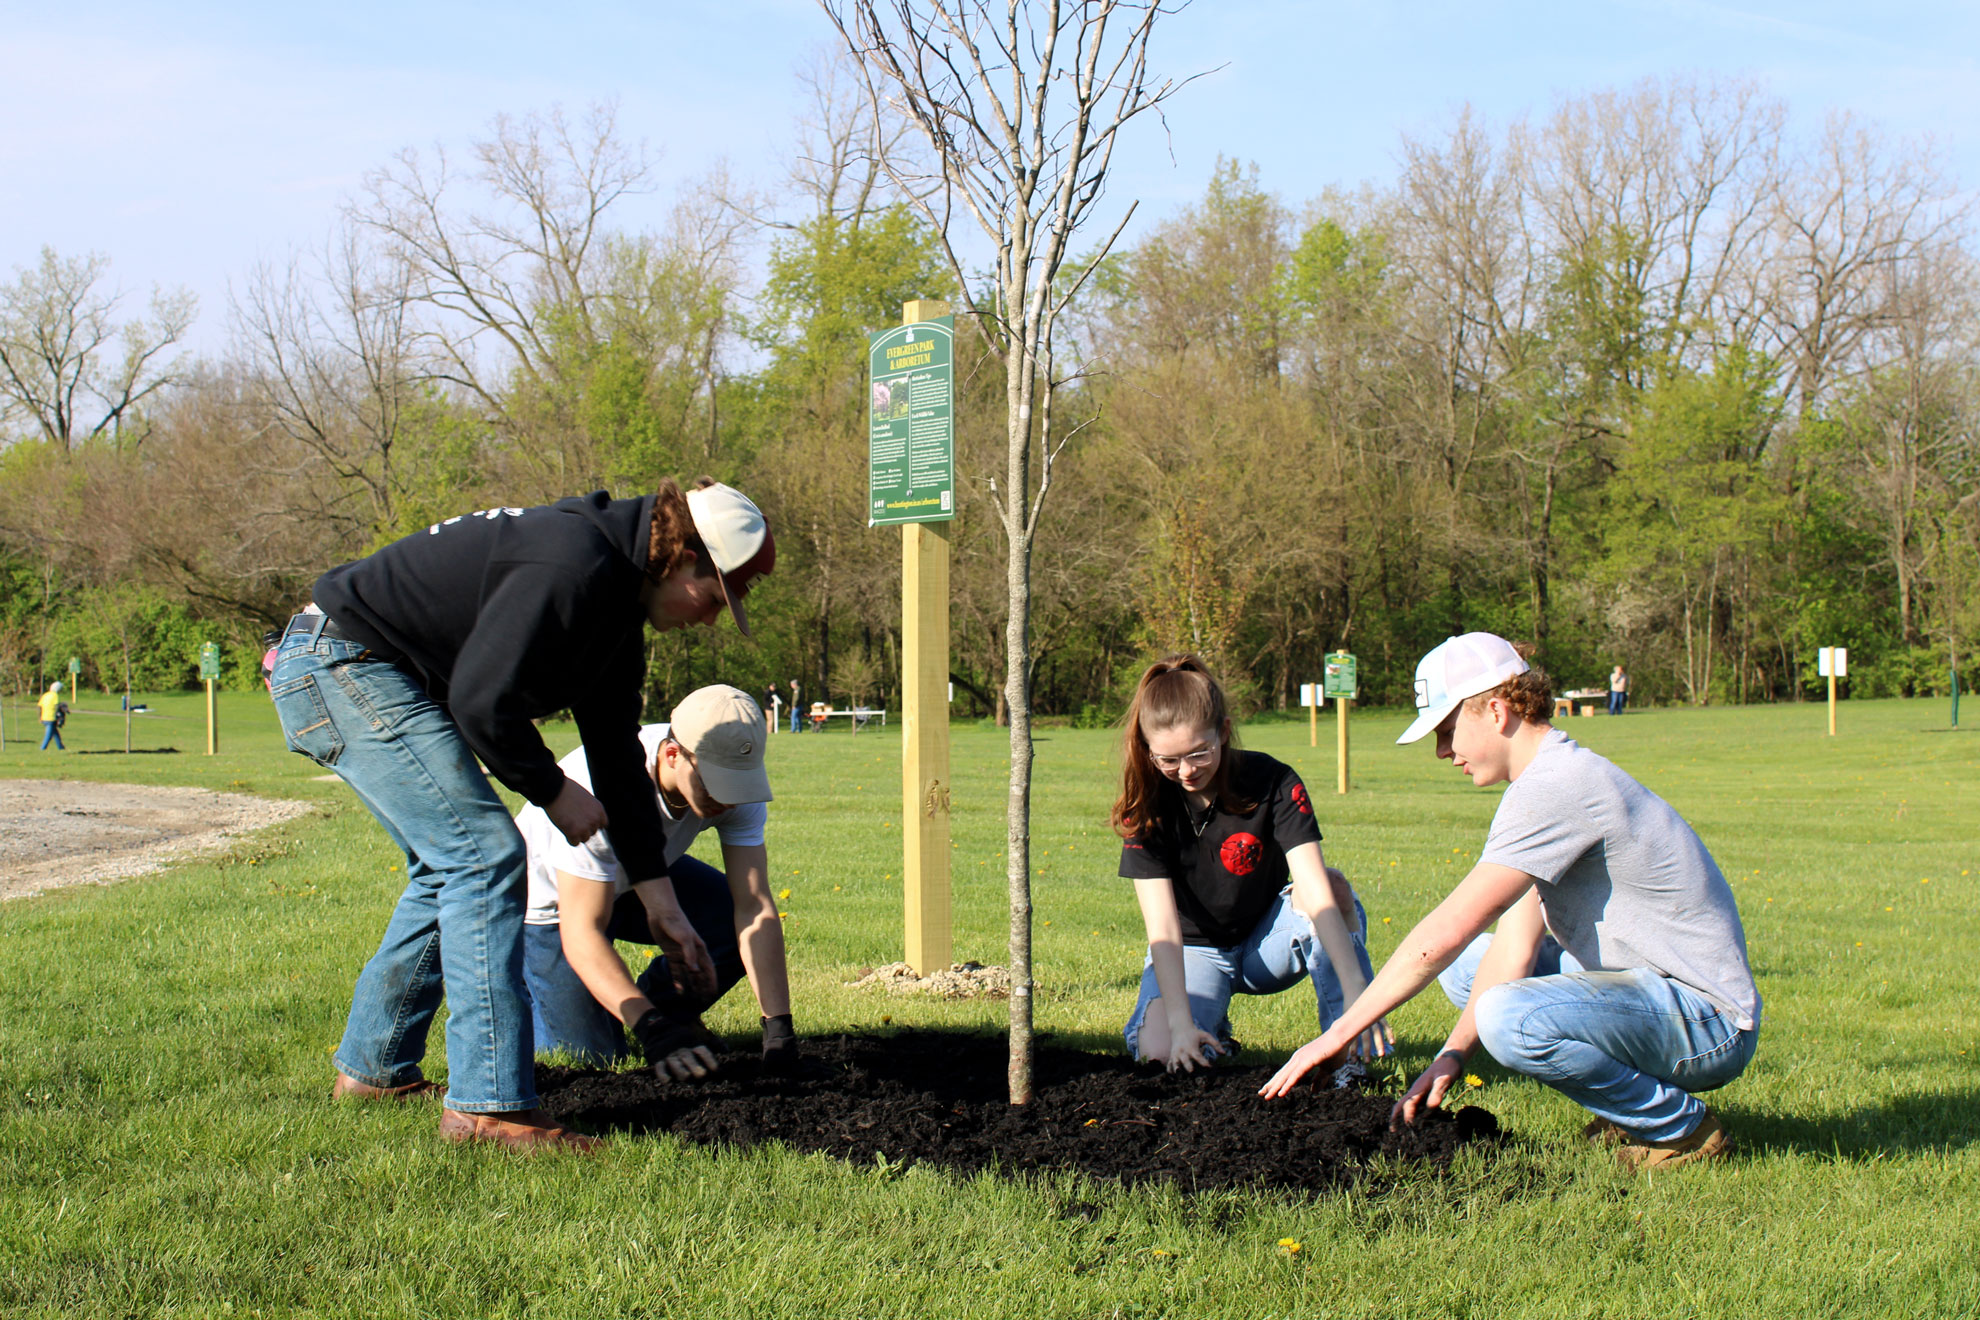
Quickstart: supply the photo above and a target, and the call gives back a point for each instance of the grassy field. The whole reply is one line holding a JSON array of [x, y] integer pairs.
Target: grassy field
[[166, 1146]]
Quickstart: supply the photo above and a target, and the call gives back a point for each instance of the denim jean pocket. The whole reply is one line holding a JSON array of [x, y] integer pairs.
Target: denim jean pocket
[[306, 722]]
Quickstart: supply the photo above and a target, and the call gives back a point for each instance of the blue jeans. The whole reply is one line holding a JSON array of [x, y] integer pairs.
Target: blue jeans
[[1632, 1046], [1280, 950], [1616, 700], [49, 733], [566, 1016], [458, 926], [794, 717]]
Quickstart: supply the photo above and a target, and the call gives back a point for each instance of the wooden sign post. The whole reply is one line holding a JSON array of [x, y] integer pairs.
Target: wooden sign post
[[1832, 662], [209, 669], [911, 481], [1309, 697], [1340, 684]]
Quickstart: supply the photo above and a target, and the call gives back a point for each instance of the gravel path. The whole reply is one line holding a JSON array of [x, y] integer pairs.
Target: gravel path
[[62, 832]]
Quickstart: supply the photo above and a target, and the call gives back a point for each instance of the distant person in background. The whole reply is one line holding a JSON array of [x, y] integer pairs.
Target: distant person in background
[[796, 692], [770, 702], [1618, 690], [53, 711]]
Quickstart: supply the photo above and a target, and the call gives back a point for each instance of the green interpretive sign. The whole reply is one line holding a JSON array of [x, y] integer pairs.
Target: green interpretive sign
[[209, 660], [1340, 680], [911, 423]]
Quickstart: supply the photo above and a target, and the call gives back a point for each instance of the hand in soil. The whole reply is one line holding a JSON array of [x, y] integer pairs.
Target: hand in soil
[[1194, 1046], [1428, 1090], [675, 1049], [780, 1047], [1326, 1053]]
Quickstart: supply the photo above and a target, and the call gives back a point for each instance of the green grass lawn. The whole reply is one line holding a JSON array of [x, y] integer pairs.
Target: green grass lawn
[[166, 1146]]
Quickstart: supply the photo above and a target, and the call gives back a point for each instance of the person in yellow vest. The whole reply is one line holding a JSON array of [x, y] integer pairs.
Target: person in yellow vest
[[54, 710]]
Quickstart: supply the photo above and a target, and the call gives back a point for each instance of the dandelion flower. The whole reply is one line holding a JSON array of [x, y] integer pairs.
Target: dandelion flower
[[1157, 1251], [783, 893], [1290, 1246], [1387, 920], [1473, 1080]]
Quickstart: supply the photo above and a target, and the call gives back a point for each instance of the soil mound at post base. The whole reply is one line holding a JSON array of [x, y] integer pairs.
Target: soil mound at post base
[[940, 1098]]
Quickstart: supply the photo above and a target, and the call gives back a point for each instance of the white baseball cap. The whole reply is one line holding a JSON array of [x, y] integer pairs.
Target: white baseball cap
[[722, 728], [1456, 669], [58, 685], [738, 540]]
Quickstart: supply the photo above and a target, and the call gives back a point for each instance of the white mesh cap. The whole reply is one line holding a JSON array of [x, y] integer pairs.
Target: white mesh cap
[[1458, 668]]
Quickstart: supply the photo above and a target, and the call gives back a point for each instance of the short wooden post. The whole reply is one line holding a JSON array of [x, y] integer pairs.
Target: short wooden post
[[1313, 717], [1341, 709], [1832, 700], [212, 721], [925, 728]]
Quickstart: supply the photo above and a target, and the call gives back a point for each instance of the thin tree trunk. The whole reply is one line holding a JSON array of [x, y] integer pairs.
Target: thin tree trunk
[[1017, 668]]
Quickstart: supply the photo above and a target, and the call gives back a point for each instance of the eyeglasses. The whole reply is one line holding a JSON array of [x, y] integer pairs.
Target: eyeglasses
[[1194, 760]]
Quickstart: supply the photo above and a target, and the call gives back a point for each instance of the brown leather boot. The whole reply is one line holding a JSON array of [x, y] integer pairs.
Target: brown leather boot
[[350, 1088], [524, 1129], [1708, 1141]]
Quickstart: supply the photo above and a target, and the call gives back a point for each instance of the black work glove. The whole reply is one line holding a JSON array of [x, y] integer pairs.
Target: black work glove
[[780, 1046], [674, 1049]]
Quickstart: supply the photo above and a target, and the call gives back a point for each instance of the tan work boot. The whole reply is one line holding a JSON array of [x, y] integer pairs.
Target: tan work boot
[[1708, 1141], [350, 1088], [1601, 1132], [525, 1129]]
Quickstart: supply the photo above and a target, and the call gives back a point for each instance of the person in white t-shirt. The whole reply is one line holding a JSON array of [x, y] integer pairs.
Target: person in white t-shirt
[[1618, 973], [706, 765]]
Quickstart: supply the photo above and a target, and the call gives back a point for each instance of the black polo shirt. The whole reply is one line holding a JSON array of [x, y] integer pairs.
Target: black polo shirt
[[1226, 869]]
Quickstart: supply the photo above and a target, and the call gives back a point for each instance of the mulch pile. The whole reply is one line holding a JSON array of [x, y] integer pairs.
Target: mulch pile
[[940, 1098]]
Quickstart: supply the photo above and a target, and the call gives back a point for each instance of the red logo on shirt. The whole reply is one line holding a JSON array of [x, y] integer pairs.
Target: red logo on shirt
[[1299, 799], [1241, 853]]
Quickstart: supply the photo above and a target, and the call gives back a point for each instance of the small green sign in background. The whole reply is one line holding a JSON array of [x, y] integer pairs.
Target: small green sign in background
[[209, 660], [911, 426], [1340, 678]]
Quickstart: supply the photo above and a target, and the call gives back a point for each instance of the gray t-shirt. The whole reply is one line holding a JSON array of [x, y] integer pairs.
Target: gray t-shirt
[[1624, 882]]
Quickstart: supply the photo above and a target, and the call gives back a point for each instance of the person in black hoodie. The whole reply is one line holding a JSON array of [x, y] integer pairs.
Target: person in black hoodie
[[446, 646]]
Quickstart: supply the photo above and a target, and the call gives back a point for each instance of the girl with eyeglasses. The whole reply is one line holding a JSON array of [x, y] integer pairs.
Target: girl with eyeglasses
[[1225, 857]]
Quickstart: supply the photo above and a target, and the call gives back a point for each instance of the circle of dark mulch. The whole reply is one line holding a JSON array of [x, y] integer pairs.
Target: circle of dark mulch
[[941, 1098]]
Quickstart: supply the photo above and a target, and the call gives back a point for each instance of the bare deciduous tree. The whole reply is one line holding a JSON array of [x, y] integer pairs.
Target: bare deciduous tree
[[60, 366], [1021, 106]]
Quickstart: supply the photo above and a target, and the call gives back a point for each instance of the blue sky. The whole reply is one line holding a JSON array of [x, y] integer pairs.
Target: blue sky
[[187, 141]]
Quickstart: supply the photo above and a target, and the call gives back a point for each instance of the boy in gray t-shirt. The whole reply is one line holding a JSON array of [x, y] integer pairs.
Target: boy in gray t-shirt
[[1618, 973]]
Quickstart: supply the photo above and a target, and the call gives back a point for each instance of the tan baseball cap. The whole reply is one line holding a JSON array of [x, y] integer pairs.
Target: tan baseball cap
[[723, 730], [738, 540]]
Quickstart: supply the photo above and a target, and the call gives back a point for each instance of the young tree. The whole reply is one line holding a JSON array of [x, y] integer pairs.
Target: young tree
[[1021, 106]]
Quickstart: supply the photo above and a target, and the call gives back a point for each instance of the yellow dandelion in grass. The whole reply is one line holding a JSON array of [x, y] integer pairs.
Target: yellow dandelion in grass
[[1888, 909], [1473, 1080], [1092, 1122], [1387, 920], [783, 893], [835, 889], [1157, 1251], [1291, 1246]]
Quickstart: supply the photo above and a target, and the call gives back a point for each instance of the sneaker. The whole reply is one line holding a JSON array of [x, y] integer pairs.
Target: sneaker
[[1708, 1141]]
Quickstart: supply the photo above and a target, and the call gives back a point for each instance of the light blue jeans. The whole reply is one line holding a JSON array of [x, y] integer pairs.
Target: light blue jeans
[[1280, 951], [1633, 1047], [458, 926]]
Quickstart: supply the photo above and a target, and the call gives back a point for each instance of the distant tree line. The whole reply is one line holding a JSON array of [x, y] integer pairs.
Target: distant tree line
[[1651, 379]]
